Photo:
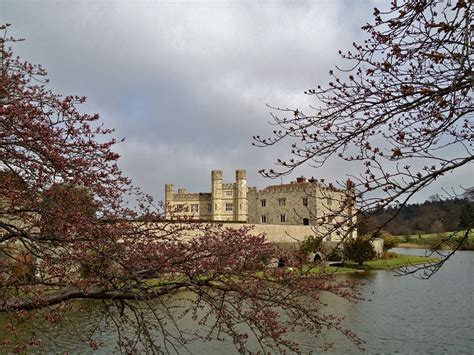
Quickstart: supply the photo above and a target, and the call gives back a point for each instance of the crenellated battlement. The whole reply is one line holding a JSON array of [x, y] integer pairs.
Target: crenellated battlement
[[216, 174], [279, 190], [225, 202], [198, 196], [294, 187], [240, 174]]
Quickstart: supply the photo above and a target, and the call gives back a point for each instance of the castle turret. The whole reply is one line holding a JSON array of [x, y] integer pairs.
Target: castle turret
[[216, 195], [169, 197], [240, 196]]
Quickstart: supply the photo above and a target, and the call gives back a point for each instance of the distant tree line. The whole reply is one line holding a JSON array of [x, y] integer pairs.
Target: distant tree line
[[432, 216]]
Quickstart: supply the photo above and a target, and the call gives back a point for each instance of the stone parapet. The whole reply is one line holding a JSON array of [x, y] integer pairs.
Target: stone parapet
[[275, 233]]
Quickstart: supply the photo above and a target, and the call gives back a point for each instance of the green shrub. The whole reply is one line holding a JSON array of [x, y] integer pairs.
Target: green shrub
[[311, 244], [389, 241], [359, 249], [336, 254]]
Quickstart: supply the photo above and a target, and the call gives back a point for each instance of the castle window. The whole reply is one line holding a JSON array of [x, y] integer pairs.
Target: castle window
[[229, 207], [194, 208], [283, 218], [263, 219], [282, 201], [305, 201], [209, 207], [228, 193], [264, 203]]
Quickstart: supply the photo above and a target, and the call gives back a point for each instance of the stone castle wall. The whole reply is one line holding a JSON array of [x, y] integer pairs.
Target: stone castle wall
[[299, 203], [286, 205], [274, 233], [226, 202]]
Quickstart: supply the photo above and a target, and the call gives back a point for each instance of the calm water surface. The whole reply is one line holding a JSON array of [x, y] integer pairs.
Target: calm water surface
[[408, 315], [404, 315]]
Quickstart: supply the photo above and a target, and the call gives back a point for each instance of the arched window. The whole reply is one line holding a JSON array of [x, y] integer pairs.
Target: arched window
[[306, 221]]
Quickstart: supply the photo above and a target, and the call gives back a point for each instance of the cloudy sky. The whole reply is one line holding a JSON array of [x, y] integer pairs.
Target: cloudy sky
[[187, 82]]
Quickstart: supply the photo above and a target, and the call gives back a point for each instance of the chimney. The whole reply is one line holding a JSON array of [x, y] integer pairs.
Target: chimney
[[300, 180]]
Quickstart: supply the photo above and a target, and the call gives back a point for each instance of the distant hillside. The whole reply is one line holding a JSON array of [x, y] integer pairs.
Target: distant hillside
[[428, 217]]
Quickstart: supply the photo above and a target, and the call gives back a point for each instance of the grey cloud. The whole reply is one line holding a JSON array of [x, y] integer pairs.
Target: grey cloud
[[187, 82]]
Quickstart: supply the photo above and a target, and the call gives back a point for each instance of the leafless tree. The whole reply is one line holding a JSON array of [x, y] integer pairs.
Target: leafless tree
[[402, 107]]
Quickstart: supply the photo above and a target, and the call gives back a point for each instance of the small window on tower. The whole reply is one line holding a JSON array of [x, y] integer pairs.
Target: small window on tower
[[264, 203], [283, 218], [263, 219], [228, 193], [305, 201], [229, 207], [282, 201], [209, 207], [194, 208]]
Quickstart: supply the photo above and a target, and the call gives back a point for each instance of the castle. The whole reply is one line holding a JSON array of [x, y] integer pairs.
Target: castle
[[302, 202]]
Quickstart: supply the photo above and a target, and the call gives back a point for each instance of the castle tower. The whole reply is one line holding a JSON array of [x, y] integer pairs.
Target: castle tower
[[216, 198], [240, 196], [169, 198]]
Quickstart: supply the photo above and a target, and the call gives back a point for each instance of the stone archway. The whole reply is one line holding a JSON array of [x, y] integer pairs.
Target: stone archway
[[318, 257]]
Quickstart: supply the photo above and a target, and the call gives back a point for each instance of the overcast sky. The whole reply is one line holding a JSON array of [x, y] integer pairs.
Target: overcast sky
[[186, 82]]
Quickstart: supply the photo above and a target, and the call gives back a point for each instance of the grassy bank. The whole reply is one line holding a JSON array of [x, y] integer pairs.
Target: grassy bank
[[446, 240], [398, 260]]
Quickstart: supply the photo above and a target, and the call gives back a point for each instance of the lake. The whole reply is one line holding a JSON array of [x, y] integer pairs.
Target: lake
[[409, 315], [403, 315]]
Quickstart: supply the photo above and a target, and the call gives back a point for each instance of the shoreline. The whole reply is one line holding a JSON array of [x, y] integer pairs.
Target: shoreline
[[413, 246], [424, 246], [444, 241]]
